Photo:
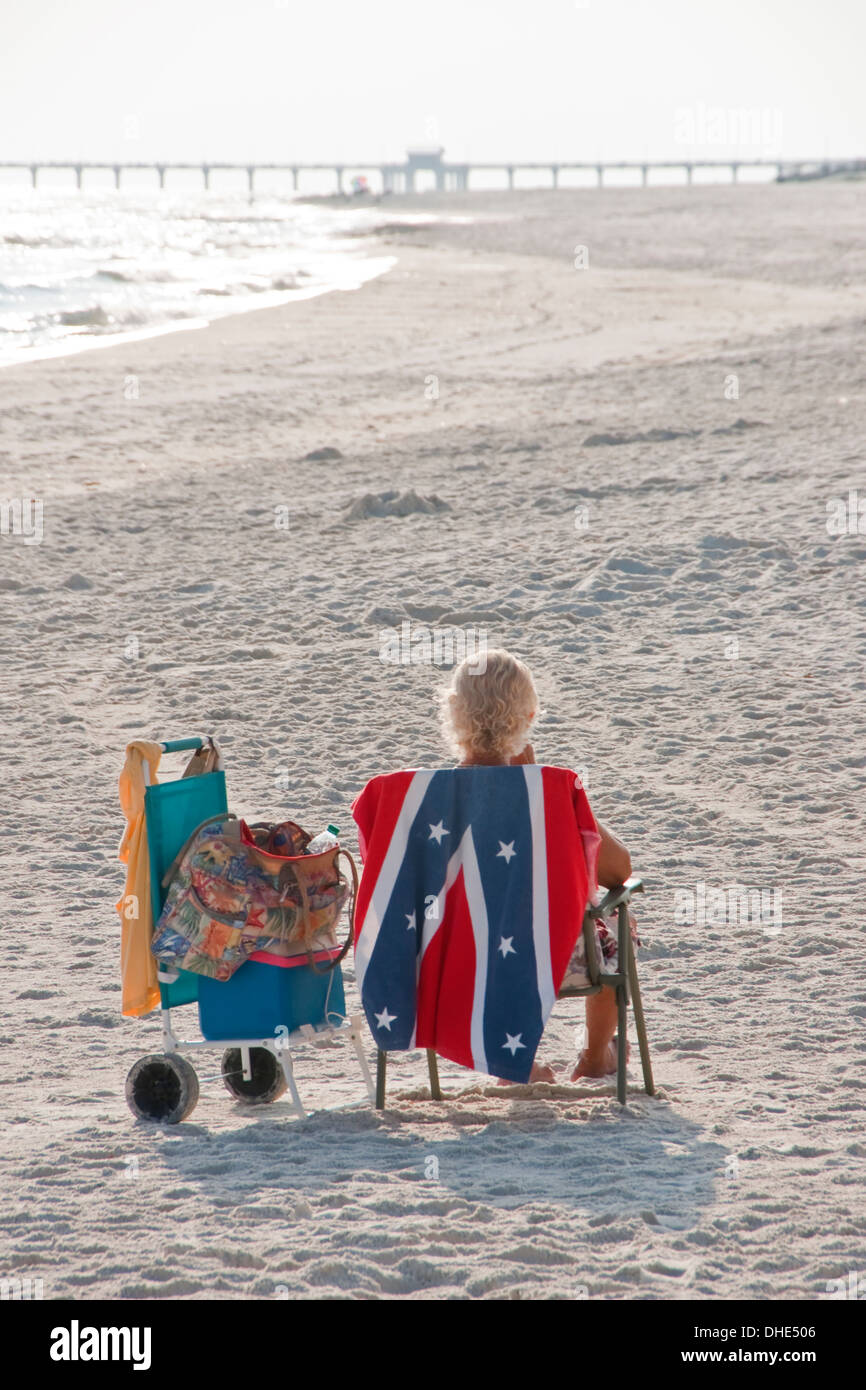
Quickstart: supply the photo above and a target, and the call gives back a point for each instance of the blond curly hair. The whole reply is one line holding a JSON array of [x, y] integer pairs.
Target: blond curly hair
[[489, 712]]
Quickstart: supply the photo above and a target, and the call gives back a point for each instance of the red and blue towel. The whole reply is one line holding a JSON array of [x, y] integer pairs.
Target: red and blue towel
[[471, 901]]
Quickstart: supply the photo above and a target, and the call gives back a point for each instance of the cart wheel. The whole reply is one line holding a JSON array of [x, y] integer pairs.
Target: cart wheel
[[162, 1089], [266, 1083]]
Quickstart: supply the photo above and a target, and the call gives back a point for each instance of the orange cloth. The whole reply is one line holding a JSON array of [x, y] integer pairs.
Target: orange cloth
[[140, 992]]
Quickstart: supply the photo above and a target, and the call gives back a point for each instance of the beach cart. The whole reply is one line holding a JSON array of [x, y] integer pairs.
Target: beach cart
[[259, 1017]]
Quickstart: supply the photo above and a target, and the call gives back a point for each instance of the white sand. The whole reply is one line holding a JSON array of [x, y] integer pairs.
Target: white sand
[[743, 1179]]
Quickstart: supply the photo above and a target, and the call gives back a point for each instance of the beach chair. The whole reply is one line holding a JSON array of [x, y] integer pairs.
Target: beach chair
[[625, 982], [259, 1017], [444, 982]]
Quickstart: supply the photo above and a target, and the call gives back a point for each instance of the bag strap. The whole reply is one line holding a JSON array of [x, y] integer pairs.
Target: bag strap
[[332, 964]]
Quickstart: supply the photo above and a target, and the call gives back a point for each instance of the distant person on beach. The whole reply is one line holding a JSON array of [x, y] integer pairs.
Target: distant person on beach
[[487, 717]]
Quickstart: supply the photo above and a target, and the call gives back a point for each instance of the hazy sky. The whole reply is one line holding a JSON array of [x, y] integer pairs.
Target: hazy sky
[[349, 80]]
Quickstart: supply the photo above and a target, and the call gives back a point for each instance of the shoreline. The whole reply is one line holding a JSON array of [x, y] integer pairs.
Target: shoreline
[[579, 326], [274, 299], [525, 222]]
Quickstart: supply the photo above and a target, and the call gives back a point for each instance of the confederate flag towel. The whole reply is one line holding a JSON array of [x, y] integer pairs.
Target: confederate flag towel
[[471, 901]]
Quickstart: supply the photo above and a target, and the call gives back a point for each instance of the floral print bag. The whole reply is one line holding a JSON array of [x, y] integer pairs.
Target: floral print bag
[[235, 889]]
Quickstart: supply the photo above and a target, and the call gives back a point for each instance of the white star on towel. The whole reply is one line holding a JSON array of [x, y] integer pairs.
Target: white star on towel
[[384, 1019], [506, 947], [506, 852], [512, 1043], [410, 920], [437, 831]]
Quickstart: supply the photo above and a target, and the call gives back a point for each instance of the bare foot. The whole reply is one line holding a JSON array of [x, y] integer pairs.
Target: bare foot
[[600, 1064], [539, 1073]]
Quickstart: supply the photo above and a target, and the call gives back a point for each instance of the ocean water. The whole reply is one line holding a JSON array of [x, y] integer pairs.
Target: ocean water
[[83, 269]]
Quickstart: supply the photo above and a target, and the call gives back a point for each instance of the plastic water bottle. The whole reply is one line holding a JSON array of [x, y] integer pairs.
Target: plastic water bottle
[[326, 839]]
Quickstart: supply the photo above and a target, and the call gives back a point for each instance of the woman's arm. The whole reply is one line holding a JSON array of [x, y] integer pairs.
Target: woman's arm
[[614, 861]]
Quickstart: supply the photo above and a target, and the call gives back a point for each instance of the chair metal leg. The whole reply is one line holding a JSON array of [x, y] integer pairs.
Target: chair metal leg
[[621, 1042], [381, 1070], [640, 1023], [433, 1068], [623, 942]]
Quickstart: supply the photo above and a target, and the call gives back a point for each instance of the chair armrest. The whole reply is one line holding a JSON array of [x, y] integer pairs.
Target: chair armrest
[[614, 897]]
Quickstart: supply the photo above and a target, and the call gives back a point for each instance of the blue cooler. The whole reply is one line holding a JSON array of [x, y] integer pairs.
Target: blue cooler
[[260, 998]]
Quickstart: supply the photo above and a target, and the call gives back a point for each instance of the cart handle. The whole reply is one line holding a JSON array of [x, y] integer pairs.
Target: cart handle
[[180, 745]]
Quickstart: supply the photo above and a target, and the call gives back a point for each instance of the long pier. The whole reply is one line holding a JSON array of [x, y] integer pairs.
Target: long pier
[[401, 178]]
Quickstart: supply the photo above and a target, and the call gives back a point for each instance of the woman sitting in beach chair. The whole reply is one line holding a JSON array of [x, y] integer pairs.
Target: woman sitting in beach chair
[[487, 716]]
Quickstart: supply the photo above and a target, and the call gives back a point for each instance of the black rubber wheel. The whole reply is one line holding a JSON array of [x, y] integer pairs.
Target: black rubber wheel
[[162, 1089], [267, 1082]]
